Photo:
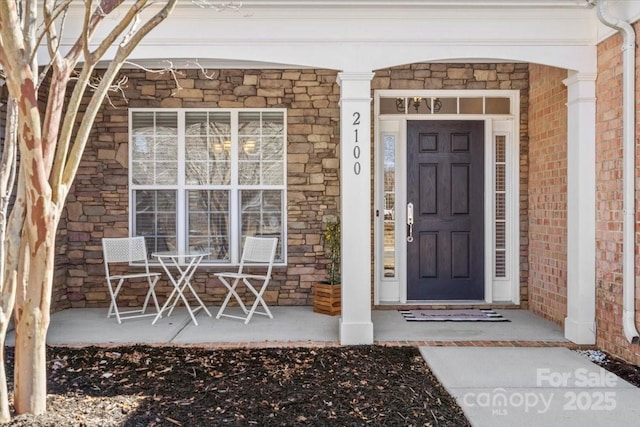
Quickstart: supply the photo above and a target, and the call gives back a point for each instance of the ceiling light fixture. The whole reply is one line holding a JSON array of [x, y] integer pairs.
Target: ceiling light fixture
[[433, 104]]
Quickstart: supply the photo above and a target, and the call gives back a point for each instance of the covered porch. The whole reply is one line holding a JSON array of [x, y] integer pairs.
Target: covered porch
[[294, 326], [334, 139]]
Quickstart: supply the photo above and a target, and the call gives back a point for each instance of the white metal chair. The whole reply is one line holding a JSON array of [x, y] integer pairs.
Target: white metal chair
[[257, 250], [127, 250]]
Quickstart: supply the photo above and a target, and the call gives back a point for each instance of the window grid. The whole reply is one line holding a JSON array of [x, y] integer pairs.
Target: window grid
[[458, 105], [207, 155], [208, 199], [154, 148], [208, 223], [261, 214], [156, 220]]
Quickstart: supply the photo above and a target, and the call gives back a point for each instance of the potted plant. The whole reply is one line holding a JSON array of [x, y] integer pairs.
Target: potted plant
[[327, 295]]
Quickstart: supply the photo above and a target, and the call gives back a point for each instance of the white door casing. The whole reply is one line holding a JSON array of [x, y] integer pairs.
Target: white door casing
[[499, 129]]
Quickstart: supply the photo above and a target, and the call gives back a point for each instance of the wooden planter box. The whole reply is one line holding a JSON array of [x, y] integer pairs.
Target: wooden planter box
[[327, 299]]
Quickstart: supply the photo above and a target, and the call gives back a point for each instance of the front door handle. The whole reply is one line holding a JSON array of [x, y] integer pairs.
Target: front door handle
[[410, 222]]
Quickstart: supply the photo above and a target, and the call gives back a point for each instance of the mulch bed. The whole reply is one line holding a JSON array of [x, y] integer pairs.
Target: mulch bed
[[183, 386], [626, 371]]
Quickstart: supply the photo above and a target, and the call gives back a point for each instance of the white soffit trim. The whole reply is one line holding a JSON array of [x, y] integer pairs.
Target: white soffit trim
[[360, 34], [398, 24], [416, 3], [196, 63]]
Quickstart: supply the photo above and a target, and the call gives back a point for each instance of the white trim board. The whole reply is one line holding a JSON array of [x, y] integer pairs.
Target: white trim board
[[503, 290]]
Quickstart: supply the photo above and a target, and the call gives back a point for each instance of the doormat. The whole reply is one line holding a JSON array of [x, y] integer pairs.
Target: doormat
[[474, 315]]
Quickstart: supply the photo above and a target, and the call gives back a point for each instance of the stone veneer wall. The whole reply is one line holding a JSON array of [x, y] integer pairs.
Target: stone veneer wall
[[609, 215], [98, 204], [476, 76], [548, 193]]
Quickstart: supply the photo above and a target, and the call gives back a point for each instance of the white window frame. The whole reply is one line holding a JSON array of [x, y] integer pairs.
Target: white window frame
[[234, 188]]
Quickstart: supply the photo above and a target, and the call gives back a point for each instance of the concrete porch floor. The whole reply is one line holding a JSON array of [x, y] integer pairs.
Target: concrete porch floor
[[290, 326]]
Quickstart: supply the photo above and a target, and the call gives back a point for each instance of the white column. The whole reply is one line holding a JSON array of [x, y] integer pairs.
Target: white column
[[356, 326], [579, 325]]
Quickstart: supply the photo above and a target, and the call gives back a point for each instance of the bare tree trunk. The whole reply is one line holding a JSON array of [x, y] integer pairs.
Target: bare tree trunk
[[36, 262], [36, 256], [32, 322], [7, 295], [35, 274], [48, 164]]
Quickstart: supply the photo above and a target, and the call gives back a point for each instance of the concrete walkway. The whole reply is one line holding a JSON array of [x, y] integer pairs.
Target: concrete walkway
[[515, 373], [530, 387]]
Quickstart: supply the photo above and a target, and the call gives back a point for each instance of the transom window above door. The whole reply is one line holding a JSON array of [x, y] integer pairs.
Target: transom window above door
[[459, 105], [205, 179]]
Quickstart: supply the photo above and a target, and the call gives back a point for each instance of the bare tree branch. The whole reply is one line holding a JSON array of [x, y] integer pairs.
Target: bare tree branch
[[7, 169], [53, 113], [9, 154], [123, 52], [171, 68], [29, 31], [119, 87], [83, 80], [102, 10], [3, 58], [86, 36], [64, 138], [51, 12], [207, 4], [61, 75], [11, 36], [124, 23]]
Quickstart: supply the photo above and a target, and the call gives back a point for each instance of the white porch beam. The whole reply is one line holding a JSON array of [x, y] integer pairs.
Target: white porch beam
[[284, 34], [356, 326], [579, 325]]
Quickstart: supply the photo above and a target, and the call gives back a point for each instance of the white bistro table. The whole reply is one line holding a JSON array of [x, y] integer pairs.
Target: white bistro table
[[185, 264]]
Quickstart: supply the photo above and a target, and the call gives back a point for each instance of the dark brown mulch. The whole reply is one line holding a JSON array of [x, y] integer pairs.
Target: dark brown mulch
[[173, 386], [626, 371]]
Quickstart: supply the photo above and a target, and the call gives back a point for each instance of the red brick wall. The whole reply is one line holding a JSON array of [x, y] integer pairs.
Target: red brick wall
[[609, 207], [548, 193]]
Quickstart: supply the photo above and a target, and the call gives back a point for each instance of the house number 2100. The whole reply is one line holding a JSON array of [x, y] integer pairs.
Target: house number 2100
[[356, 149]]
